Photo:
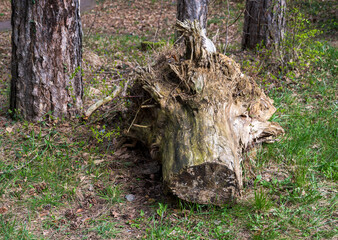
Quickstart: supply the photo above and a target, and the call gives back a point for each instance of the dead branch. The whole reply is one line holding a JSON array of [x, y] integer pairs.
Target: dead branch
[[101, 102]]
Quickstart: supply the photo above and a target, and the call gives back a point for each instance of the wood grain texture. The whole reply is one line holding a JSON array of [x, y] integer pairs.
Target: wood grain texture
[[205, 114]]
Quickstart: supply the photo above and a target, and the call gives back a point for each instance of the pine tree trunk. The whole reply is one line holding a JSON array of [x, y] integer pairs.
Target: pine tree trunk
[[264, 23], [46, 59], [193, 9]]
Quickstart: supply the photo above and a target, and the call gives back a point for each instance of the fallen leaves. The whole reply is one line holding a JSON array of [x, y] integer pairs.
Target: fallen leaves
[[38, 188], [97, 162], [69, 215], [120, 17], [5, 10], [3, 210], [80, 210], [9, 129], [123, 213]]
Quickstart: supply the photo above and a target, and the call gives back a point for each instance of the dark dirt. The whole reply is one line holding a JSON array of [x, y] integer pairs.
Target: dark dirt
[[86, 5]]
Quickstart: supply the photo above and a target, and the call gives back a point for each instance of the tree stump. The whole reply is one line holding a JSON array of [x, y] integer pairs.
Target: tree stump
[[197, 117]]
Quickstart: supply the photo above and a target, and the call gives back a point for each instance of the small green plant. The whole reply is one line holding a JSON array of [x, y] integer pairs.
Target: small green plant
[[300, 173], [112, 194], [298, 50], [162, 210], [261, 200], [106, 230], [102, 134]]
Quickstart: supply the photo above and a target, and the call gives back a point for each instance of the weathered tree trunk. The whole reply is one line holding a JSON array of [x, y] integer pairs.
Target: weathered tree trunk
[[46, 59], [197, 117], [193, 10], [264, 23]]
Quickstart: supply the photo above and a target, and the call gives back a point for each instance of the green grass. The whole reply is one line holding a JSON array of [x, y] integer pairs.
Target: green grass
[[53, 180], [105, 229], [298, 206], [293, 195], [11, 229], [122, 47], [308, 112], [321, 13]]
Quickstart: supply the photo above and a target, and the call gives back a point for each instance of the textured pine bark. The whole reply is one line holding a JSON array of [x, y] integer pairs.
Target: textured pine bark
[[264, 22], [193, 9], [46, 59]]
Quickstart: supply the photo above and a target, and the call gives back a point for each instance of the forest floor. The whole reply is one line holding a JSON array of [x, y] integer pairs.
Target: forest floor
[[71, 180]]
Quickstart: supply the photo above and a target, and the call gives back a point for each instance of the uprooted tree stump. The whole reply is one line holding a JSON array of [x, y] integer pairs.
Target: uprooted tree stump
[[198, 116]]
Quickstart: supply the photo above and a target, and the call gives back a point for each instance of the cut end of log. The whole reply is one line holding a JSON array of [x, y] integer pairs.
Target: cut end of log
[[205, 113], [208, 183]]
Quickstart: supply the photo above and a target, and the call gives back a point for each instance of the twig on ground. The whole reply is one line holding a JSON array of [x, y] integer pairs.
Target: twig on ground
[[239, 15], [132, 123], [91, 27], [101, 102]]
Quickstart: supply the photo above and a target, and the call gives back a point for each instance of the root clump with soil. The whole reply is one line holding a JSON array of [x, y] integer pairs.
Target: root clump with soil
[[198, 115]]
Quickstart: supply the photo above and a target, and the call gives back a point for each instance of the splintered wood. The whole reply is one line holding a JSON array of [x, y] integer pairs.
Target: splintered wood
[[205, 114]]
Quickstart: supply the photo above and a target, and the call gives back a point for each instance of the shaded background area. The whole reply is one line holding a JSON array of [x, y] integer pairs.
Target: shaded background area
[[5, 24]]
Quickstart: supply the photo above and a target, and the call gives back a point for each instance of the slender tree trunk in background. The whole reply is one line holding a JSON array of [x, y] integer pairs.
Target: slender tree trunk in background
[[264, 23], [193, 9], [46, 59]]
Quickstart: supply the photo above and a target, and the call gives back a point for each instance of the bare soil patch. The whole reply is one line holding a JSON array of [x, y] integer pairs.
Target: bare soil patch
[[5, 10]]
